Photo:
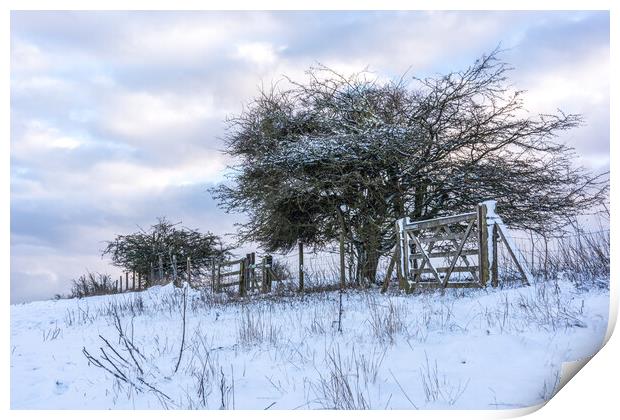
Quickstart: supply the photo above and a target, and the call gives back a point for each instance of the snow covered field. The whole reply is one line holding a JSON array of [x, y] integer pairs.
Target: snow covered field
[[481, 349]]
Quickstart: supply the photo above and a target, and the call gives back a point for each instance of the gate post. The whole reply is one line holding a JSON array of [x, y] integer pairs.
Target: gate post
[[402, 255], [483, 244], [494, 262], [252, 271]]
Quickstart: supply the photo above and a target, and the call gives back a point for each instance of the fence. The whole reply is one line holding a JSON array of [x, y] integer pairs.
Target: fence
[[137, 282], [163, 274], [466, 250], [246, 275]]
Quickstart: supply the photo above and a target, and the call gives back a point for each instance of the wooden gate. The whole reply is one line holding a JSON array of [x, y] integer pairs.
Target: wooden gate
[[454, 251], [245, 274], [229, 274]]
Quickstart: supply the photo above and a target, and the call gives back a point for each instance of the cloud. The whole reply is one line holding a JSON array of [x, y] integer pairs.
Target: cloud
[[27, 57], [563, 62], [260, 53], [144, 116], [40, 139]]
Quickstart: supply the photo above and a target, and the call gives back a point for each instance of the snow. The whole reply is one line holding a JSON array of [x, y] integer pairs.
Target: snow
[[465, 348], [492, 219]]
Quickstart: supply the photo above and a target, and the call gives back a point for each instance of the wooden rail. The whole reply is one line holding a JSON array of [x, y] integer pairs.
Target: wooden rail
[[446, 254], [441, 221], [445, 269]]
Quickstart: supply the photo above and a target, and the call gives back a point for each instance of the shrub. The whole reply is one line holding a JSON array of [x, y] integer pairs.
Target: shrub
[[92, 284]]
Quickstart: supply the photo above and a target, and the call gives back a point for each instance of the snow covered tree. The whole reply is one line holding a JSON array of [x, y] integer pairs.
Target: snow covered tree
[[153, 253], [354, 153]]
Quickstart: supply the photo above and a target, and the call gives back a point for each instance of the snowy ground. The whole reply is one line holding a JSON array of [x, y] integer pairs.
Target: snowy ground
[[482, 349]]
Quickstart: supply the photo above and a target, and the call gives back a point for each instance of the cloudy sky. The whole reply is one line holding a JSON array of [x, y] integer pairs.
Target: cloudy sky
[[116, 118]]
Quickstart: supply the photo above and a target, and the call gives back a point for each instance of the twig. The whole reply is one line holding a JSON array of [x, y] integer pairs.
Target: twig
[[157, 391], [403, 391], [107, 359], [113, 349], [101, 365]]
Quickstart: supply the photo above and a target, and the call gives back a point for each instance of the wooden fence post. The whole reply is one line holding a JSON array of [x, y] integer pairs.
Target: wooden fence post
[[388, 276], [398, 256], [265, 287], [351, 264], [268, 271], [405, 251], [242, 276], [263, 275], [126, 280], [219, 278], [342, 265], [189, 270], [139, 281], [495, 263], [175, 279], [213, 275], [248, 271], [402, 256], [301, 266], [252, 271], [483, 244], [544, 236], [133, 280], [120, 283]]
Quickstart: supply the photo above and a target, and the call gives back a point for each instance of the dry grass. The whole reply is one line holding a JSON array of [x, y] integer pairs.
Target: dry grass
[[437, 386], [255, 327], [387, 319]]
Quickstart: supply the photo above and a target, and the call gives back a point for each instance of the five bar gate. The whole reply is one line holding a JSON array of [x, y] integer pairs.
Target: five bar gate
[[454, 251]]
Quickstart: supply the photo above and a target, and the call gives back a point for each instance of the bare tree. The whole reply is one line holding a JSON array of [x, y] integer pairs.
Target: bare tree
[[353, 154]]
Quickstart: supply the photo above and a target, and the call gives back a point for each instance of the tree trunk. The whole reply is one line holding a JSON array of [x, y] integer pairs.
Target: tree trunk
[[369, 267], [369, 255], [420, 196]]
